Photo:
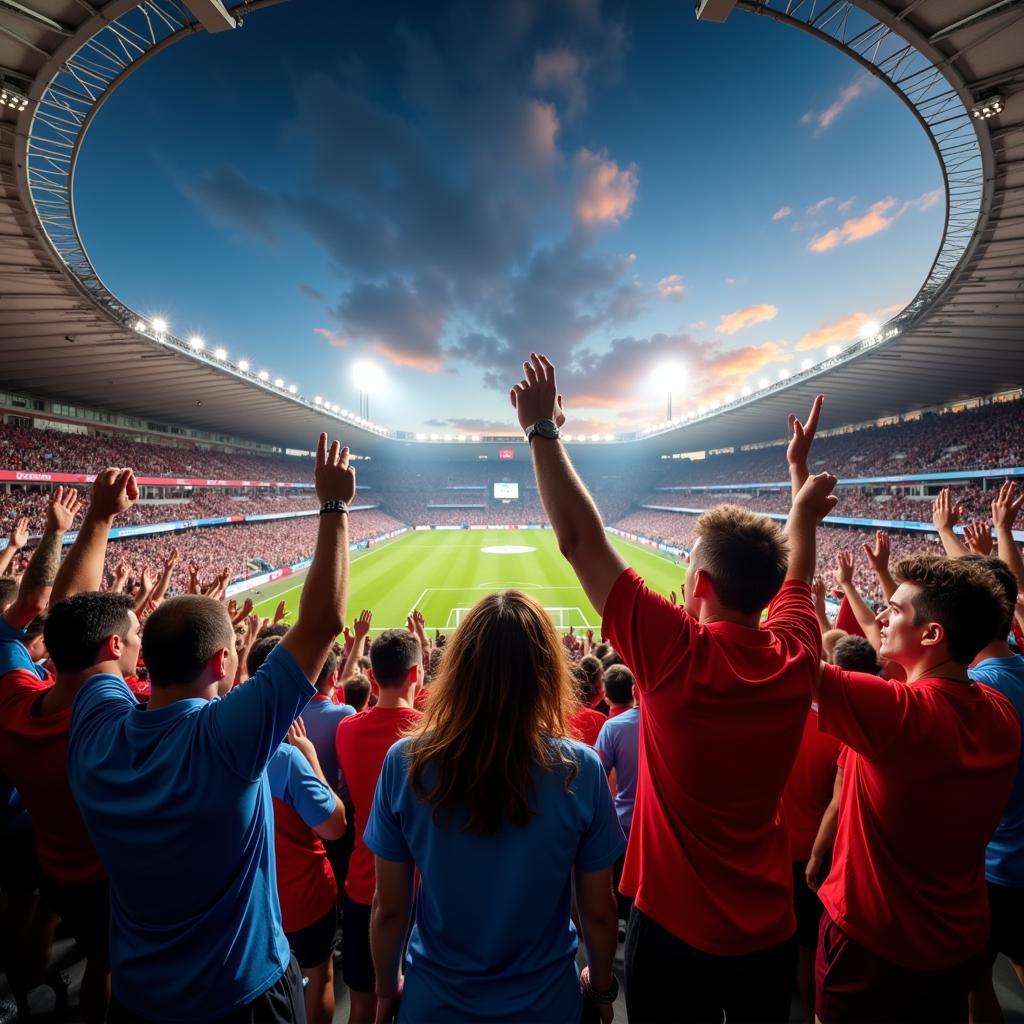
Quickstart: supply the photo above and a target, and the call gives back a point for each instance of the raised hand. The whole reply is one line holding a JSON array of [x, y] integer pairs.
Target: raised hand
[[64, 506], [171, 560], [878, 555], [802, 436], [844, 568], [362, 624], [978, 537], [945, 512], [334, 478], [252, 628], [19, 535], [818, 589], [1006, 505], [148, 579], [280, 612], [815, 495], [536, 396], [113, 491]]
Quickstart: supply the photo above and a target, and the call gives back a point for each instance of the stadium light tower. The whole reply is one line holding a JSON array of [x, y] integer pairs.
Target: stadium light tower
[[369, 379], [670, 376]]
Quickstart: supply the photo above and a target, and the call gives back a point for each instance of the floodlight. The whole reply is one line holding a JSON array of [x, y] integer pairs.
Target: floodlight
[[141, 325], [434, 437], [263, 375], [609, 437], [344, 412], [868, 328], [292, 389], [279, 382], [833, 351], [783, 374], [220, 353], [671, 375], [566, 437], [368, 377], [160, 326], [746, 391], [334, 408], [806, 364], [243, 365], [987, 107], [763, 382], [421, 437], [475, 437], [13, 96], [448, 437], [196, 343], [595, 437], [317, 400]]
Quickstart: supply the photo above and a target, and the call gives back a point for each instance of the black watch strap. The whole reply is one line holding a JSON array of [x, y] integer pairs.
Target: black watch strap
[[335, 505], [604, 998]]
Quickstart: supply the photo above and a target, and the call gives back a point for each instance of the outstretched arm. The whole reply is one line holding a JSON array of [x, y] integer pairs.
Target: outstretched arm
[[15, 542], [1004, 511], [37, 585], [113, 491], [812, 496], [574, 516], [861, 612], [945, 515], [878, 556]]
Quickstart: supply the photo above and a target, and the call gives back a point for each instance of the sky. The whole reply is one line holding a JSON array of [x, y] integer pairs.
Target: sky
[[656, 203]]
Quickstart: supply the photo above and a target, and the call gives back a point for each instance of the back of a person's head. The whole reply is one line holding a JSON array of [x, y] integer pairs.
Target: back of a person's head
[[1004, 574], [618, 685], [329, 668], [357, 691], [181, 637], [76, 628], [601, 649], [744, 555], [274, 629], [8, 592], [963, 595], [611, 658], [259, 652], [855, 654], [392, 655], [503, 690], [589, 673], [829, 639]]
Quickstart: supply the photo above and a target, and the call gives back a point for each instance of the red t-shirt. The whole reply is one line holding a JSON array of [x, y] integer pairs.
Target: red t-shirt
[[34, 759], [305, 879], [585, 724], [809, 788], [721, 718], [362, 742], [421, 698], [615, 712], [927, 778]]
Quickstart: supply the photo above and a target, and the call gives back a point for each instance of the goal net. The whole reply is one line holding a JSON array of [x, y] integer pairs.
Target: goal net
[[562, 617]]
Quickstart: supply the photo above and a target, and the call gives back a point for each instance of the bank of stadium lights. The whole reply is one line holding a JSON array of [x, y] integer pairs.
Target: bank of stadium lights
[[196, 343], [159, 326], [263, 375], [986, 108], [13, 97], [221, 354], [243, 365]]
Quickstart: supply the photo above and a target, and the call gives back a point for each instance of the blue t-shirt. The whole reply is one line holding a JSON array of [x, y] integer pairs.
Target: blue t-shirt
[[14, 654], [618, 744], [494, 938], [322, 718], [178, 804], [1004, 855], [293, 780]]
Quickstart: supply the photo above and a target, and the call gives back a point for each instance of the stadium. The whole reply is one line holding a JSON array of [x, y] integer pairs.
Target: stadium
[[922, 428]]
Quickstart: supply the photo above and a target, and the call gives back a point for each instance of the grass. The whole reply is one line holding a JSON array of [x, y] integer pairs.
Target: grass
[[441, 571]]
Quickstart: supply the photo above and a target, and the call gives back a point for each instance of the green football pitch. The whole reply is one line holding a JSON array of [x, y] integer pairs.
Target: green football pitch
[[445, 572]]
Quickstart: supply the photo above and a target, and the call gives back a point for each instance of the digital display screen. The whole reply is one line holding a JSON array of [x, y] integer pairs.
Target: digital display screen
[[506, 491], [506, 453]]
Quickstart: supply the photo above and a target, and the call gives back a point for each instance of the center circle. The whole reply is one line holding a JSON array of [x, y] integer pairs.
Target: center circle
[[507, 549]]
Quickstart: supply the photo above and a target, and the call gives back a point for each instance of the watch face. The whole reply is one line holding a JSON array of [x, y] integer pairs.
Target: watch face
[[547, 429]]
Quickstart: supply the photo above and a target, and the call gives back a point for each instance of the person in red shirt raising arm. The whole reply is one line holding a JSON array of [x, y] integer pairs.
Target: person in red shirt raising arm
[[928, 773], [722, 711]]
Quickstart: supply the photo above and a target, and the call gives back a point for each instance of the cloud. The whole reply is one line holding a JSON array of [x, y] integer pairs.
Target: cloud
[[820, 205], [334, 339], [782, 212], [877, 219], [740, 319], [232, 202], [846, 205], [605, 194], [560, 71], [672, 288], [310, 292], [824, 119], [848, 328], [925, 201]]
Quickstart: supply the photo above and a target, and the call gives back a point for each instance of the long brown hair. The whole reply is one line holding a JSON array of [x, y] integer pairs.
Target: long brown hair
[[503, 691]]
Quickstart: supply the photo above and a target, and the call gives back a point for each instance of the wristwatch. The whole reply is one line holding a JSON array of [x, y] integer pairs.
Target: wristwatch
[[334, 505], [542, 428], [604, 998]]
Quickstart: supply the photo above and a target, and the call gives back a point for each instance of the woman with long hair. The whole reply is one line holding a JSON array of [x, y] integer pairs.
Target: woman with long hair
[[500, 812]]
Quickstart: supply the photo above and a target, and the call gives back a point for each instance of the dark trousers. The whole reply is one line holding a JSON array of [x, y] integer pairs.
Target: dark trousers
[[282, 1003], [669, 980]]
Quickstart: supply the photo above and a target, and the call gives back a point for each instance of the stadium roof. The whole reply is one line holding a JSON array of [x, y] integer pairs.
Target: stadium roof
[[63, 335]]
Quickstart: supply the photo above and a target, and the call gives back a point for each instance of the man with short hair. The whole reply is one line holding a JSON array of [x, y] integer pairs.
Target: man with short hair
[[906, 923], [177, 800], [619, 690], [322, 718], [723, 703], [363, 741], [855, 654], [357, 692]]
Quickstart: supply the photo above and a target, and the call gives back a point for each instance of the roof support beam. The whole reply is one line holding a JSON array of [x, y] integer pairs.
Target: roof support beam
[[212, 15]]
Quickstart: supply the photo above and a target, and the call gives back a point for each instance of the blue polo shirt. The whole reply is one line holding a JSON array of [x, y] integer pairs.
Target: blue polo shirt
[[322, 718], [494, 938], [618, 745], [1004, 855], [178, 804], [14, 654]]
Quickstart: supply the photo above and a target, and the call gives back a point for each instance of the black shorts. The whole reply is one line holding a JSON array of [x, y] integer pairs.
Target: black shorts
[[339, 851], [19, 866], [84, 907], [314, 944], [1006, 934], [356, 962], [807, 906]]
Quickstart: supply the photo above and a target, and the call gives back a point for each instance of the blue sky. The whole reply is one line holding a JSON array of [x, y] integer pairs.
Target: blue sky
[[441, 187]]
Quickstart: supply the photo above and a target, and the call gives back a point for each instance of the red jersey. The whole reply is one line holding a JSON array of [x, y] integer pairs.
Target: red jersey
[[929, 772], [305, 879], [585, 724], [34, 759], [809, 788], [362, 742], [721, 719]]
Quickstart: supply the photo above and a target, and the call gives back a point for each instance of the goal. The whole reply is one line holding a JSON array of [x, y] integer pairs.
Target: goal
[[562, 617]]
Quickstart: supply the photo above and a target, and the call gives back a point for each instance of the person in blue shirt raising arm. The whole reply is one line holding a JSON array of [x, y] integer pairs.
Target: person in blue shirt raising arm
[[177, 800]]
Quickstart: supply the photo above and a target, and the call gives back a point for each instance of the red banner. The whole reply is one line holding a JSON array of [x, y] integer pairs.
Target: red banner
[[506, 453], [26, 476]]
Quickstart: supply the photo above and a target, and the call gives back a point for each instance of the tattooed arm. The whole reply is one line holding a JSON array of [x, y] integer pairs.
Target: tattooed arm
[[36, 584]]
